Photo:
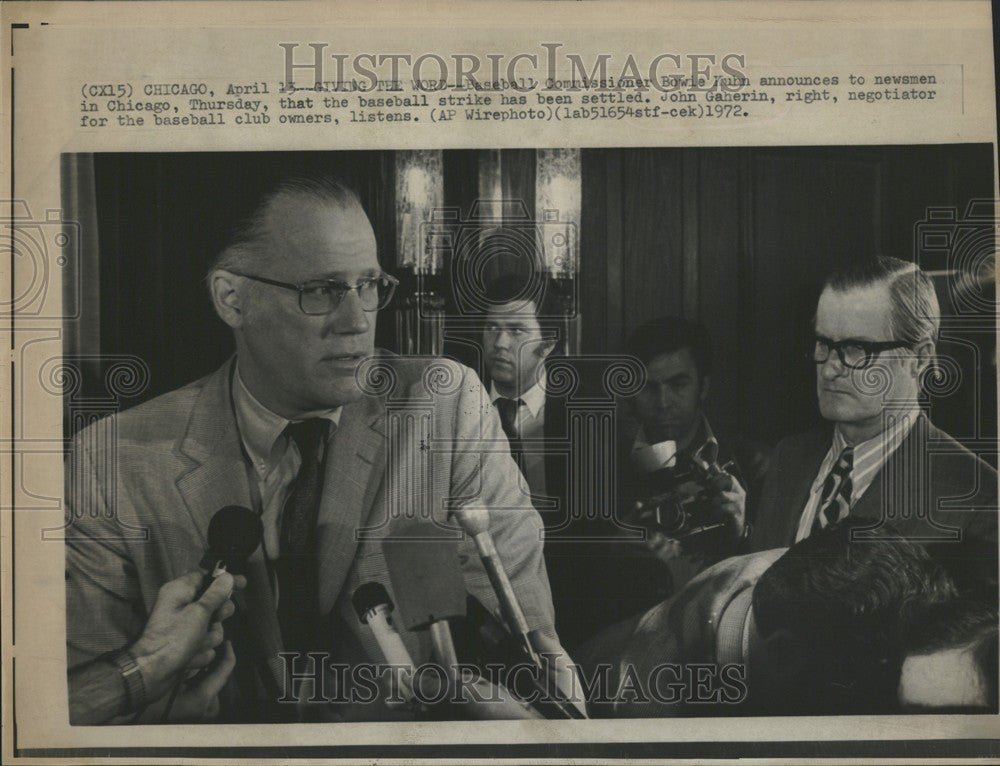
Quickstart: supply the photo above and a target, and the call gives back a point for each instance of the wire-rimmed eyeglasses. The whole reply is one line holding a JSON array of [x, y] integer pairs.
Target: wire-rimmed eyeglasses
[[323, 296]]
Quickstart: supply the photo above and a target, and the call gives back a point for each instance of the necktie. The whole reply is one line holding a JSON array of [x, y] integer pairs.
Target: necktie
[[508, 420], [297, 566], [835, 499]]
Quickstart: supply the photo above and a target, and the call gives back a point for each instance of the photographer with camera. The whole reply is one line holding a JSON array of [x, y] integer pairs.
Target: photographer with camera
[[686, 487]]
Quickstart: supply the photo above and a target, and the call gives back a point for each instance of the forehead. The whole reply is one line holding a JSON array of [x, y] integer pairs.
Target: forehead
[[858, 312], [672, 364], [310, 238], [520, 313]]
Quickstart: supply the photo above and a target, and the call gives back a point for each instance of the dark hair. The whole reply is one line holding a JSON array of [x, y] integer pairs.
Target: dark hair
[[850, 602], [667, 334], [963, 623], [549, 303], [243, 244], [916, 315]]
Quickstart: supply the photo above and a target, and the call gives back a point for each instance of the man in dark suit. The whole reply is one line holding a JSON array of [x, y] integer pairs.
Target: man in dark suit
[[329, 442], [876, 327], [522, 336]]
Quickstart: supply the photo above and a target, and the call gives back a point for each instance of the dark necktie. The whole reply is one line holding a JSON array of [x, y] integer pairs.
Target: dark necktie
[[835, 499], [508, 420], [297, 566]]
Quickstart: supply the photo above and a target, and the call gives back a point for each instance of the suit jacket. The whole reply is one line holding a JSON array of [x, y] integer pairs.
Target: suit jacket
[[143, 485], [931, 489]]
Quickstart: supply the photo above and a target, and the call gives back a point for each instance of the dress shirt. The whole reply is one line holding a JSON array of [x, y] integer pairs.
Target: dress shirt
[[869, 457], [274, 457], [530, 425]]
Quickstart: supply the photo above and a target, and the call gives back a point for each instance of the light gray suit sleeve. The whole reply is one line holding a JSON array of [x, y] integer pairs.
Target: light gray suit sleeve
[[104, 608], [485, 475]]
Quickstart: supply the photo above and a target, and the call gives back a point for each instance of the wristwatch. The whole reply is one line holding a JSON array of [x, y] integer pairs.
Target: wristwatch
[[131, 675]]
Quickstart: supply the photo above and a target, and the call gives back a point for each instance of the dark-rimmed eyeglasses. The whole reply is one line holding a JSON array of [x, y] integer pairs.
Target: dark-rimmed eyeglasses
[[853, 353], [323, 296]]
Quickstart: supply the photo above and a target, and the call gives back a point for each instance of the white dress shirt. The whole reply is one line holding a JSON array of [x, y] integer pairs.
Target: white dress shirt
[[275, 457], [869, 457], [530, 425]]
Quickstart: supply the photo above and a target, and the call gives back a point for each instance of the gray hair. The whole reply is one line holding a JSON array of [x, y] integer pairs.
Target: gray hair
[[244, 245], [915, 315]]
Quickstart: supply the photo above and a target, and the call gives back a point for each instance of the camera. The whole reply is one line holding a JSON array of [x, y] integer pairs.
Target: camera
[[676, 498]]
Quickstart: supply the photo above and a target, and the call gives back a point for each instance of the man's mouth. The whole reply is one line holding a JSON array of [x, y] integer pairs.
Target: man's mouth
[[345, 358]]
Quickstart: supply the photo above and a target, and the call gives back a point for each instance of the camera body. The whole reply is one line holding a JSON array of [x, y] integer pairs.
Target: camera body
[[676, 500]]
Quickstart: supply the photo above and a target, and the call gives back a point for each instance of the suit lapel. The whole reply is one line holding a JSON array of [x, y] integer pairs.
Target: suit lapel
[[218, 478], [354, 470], [800, 479], [898, 470]]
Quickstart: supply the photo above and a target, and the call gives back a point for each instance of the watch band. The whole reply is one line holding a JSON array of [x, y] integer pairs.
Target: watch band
[[131, 675]]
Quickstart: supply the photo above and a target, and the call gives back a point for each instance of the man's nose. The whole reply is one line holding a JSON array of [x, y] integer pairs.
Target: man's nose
[[349, 317], [665, 396], [502, 339], [831, 368]]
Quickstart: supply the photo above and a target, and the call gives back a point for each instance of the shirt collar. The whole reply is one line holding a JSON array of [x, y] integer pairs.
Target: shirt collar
[[887, 439], [533, 398], [260, 428]]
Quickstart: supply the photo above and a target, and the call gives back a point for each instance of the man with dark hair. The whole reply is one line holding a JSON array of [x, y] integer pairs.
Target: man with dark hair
[[876, 327], [295, 427], [951, 659], [665, 432], [818, 629]]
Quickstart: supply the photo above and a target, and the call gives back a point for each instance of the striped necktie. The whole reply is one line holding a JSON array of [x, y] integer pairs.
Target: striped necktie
[[835, 500]]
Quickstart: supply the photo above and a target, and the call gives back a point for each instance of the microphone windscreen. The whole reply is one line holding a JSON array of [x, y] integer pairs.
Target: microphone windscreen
[[234, 533], [368, 596], [425, 574]]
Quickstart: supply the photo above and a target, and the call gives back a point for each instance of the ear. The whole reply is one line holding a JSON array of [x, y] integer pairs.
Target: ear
[[228, 296], [923, 357], [706, 383], [546, 347]]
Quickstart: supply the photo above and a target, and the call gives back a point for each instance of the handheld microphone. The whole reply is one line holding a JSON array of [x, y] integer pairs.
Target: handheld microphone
[[234, 534], [476, 523], [427, 579], [374, 607]]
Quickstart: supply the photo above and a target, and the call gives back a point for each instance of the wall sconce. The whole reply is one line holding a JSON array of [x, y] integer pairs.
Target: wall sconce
[[557, 209], [419, 193], [419, 197]]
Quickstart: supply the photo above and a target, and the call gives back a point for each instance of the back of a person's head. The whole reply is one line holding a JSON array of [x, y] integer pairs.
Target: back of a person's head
[[669, 334], [848, 602]]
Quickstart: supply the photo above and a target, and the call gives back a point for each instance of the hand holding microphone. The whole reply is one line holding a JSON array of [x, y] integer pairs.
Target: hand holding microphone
[[234, 534]]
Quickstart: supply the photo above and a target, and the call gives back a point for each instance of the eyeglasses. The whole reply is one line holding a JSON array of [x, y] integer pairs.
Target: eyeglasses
[[853, 353], [323, 296]]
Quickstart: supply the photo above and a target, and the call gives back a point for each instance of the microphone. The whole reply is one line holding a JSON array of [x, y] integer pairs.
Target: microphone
[[374, 607], [476, 523], [427, 579], [234, 534]]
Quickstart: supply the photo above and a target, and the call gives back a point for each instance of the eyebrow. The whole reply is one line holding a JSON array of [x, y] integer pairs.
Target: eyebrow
[[342, 276]]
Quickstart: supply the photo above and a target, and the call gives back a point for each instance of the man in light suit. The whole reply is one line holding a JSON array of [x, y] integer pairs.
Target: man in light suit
[[328, 442], [876, 327]]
